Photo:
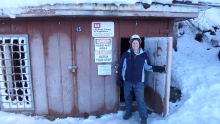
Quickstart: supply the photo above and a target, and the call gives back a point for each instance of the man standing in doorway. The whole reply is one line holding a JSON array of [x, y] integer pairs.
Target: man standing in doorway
[[131, 71]]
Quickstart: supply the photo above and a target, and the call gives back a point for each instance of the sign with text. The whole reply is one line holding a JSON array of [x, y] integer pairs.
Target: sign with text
[[103, 43], [103, 29], [104, 69], [103, 56]]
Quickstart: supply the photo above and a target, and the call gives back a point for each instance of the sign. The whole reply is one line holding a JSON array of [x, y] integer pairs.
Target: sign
[[104, 69], [78, 29], [103, 56], [103, 43], [103, 29]]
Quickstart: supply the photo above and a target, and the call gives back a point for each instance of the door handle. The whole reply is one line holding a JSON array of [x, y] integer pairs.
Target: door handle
[[72, 67], [117, 68]]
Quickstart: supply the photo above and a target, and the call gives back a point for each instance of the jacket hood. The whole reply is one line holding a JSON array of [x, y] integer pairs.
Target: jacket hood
[[137, 53]]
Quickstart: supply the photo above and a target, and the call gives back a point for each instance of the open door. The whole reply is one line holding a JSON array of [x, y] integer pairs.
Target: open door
[[157, 85]]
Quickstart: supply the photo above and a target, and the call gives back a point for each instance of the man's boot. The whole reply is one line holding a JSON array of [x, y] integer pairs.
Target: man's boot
[[127, 116], [143, 121]]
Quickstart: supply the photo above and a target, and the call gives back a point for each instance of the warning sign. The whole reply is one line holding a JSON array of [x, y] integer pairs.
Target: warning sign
[[103, 56], [103, 43], [103, 29], [104, 69]]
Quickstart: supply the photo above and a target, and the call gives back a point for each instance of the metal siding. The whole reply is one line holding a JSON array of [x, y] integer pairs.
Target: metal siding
[[75, 110], [111, 89], [157, 83], [97, 82], [170, 27], [160, 59], [54, 47], [19, 27], [154, 28], [83, 56], [164, 28], [141, 28], [35, 36], [53, 72], [149, 91], [66, 59], [126, 28], [5, 27]]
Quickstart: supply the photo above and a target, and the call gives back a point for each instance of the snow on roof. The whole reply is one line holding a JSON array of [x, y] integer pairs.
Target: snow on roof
[[13, 7]]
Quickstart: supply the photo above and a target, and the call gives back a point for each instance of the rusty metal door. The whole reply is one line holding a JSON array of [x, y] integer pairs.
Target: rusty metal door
[[97, 94], [157, 86], [58, 54]]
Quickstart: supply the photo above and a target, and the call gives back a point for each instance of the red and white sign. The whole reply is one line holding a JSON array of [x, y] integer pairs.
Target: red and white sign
[[103, 56], [97, 25], [103, 43], [103, 29]]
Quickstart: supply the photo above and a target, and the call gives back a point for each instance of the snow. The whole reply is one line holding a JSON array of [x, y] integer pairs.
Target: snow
[[195, 71], [13, 7]]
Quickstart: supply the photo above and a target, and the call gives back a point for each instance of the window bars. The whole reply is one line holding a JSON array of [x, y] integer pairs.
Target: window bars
[[15, 74]]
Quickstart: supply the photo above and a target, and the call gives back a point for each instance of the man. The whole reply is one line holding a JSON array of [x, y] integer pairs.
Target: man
[[131, 70]]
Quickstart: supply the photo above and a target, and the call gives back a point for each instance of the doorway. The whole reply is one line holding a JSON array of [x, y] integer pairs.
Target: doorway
[[124, 47]]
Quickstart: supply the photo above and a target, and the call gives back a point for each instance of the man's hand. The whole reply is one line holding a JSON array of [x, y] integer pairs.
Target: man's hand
[[159, 69], [119, 82]]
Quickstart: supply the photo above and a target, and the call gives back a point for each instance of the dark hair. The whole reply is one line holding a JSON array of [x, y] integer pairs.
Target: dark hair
[[135, 39]]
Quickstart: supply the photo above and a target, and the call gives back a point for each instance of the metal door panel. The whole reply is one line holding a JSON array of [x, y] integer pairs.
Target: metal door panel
[[53, 72], [97, 82], [83, 72], [35, 36], [111, 89], [67, 76], [158, 84]]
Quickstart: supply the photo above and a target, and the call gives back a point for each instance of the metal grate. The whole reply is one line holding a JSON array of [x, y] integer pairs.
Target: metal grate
[[15, 74]]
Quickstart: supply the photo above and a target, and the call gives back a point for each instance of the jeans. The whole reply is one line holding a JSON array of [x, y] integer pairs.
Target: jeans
[[139, 95]]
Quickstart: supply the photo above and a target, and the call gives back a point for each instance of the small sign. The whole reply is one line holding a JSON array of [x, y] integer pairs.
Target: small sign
[[78, 29], [103, 29], [104, 69], [103, 43], [103, 56]]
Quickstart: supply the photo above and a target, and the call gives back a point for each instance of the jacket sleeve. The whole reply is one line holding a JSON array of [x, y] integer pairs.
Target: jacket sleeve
[[121, 66], [147, 66]]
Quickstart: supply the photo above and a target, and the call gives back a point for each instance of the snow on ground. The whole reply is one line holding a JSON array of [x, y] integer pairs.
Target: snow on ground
[[195, 71]]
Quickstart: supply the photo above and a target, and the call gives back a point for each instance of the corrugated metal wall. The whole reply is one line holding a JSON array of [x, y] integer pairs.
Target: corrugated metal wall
[[55, 45]]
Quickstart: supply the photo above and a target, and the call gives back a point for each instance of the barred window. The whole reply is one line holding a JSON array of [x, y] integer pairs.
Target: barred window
[[15, 74]]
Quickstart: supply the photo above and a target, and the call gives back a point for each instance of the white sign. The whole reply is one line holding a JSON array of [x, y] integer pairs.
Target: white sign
[[103, 43], [103, 29], [103, 56], [104, 69]]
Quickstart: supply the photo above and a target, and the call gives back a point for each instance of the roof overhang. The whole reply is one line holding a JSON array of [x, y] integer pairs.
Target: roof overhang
[[138, 10]]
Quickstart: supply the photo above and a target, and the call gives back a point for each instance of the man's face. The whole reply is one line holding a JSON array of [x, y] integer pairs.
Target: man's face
[[135, 45]]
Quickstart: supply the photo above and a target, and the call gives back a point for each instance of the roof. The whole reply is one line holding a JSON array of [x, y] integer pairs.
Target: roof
[[175, 9]]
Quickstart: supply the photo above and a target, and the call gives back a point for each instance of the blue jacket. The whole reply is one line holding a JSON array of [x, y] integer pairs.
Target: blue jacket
[[132, 70]]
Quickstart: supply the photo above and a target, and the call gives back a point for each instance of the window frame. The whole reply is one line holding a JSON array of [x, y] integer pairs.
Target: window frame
[[28, 72]]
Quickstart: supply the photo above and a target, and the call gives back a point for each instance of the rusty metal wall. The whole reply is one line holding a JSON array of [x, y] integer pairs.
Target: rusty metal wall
[[55, 45]]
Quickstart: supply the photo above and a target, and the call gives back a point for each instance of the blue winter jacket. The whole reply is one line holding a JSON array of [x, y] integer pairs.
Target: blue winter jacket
[[132, 69]]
